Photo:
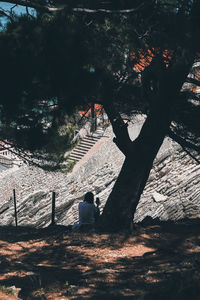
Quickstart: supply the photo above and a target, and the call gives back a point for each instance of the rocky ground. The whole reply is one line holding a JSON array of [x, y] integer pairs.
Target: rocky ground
[[158, 261], [172, 191], [155, 262]]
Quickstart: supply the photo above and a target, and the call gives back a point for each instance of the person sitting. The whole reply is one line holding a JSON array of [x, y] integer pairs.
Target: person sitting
[[87, 211]]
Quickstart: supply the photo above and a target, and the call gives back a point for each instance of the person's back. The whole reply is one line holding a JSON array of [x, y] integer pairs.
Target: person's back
[[86, 213]]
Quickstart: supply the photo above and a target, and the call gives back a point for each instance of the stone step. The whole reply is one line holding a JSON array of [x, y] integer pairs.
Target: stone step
[[85, 145], [89, 141], [82, 148], [91, 138], [73, 159], [76, 157], [79, 152]]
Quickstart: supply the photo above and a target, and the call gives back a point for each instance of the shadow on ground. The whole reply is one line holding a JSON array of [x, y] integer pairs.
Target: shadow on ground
[[158, 261]]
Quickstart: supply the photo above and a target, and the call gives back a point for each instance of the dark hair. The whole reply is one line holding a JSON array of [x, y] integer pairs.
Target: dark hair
[[89, 197]]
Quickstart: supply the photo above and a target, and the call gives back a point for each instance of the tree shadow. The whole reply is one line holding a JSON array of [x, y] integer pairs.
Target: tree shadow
[[159, 261]]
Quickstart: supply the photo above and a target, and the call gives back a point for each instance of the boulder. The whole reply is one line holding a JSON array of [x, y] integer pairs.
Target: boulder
[[157, 197]]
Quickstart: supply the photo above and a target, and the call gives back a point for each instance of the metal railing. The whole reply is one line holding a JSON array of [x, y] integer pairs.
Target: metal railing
[[13, 202]]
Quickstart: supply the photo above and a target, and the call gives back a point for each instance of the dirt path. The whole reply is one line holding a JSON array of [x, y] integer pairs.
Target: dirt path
[[156, 262]]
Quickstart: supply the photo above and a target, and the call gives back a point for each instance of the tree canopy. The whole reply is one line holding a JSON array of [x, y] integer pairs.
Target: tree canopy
[[141, 55], [47, 58]]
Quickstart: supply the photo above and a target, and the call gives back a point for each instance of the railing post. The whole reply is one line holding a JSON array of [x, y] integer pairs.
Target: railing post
[[93, 118], [15, 207], [53, 208]]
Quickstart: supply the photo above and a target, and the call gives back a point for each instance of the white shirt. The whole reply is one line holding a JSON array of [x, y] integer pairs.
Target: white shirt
[[86, 213]]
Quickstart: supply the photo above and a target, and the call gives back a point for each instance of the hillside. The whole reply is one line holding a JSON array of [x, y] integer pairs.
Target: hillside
[[175, 179], [158, 261]]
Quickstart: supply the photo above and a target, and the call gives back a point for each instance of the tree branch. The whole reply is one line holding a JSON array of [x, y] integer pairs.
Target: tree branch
[[191, 155], [3, 13], [35, 5], [122, 139], [185, 144], [25, 157], [27, 10], [192, 80], [108, 11]]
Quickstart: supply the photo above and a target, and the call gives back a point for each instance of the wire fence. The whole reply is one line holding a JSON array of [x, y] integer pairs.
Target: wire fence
[[13, 201]]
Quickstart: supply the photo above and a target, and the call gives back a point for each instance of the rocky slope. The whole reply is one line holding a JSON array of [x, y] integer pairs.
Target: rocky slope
[[172, 191]]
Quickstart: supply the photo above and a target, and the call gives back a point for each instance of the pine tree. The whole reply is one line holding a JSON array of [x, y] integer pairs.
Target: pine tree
[[142, 55]]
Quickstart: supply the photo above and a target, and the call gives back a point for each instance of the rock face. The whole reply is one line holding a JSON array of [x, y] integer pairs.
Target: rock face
[[172, 191], [177, 178], [158, 197]]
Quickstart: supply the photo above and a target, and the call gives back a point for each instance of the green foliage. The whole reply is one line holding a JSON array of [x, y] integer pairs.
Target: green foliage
[[49, 58], [70, 166], [67, 130], [6, 290], [60, 140], [54, 151], [67, 284], [37, 69]]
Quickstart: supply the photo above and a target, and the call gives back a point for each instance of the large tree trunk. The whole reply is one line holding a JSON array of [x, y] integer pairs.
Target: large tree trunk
[[139, 154], [123, 200]]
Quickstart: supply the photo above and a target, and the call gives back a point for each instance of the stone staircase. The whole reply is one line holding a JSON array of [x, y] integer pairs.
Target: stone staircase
[[85, 145]]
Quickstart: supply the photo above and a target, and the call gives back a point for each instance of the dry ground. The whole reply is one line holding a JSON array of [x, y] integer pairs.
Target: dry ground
[[157, 261]]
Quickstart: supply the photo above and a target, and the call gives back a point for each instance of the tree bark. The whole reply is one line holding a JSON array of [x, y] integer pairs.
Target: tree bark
[[121, 205], [123, 200]]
